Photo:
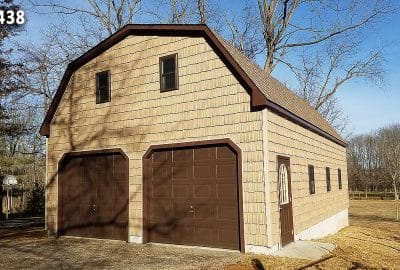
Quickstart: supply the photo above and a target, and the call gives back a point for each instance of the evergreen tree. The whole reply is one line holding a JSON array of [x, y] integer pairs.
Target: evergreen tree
[[35, 202]]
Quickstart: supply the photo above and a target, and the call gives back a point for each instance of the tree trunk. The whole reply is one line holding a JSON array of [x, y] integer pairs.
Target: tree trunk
[[396, 195]]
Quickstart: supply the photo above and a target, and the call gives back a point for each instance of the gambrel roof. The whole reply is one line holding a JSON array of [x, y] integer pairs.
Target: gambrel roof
[[264, 90]]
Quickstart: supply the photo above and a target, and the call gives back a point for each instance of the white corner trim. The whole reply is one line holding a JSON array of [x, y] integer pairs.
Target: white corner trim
[[328, 226], [267, 182], [135, 239], [261, 249]]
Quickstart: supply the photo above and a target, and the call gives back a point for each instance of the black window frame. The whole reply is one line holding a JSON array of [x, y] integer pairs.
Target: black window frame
[[98, 89], [311, 179], [162, 74], [340, 178], [328, 179]]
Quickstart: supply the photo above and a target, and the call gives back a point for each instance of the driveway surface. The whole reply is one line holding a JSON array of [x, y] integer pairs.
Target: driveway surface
[[23, 247]]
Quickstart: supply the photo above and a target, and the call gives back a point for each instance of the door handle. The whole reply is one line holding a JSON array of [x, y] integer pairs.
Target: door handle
[[191, 209], [94, 208]]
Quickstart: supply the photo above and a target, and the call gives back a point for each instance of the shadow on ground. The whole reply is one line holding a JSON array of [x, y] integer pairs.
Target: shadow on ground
[[28, 247]]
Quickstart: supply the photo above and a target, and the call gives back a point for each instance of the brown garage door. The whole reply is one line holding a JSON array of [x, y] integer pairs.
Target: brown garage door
[[192, 197], [93, 199]]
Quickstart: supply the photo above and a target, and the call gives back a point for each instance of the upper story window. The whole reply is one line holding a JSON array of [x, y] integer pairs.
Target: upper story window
[[169, 72], [339, 172], [311, 179], [103, 87], [328, 179]]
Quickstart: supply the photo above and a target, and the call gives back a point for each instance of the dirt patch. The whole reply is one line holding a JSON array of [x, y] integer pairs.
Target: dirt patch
[[30, 248]]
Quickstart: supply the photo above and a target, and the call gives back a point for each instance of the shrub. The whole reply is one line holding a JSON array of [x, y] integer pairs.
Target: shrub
[[35, 202]]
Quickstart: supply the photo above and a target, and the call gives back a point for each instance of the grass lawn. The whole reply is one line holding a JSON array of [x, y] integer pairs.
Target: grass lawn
[[372, 241]]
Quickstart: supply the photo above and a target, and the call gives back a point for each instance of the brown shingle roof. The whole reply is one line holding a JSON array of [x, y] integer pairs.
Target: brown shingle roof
[[277, 93]]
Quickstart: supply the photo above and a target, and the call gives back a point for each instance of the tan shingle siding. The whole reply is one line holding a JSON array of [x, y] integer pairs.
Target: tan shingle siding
[[305, 147], [210, 104]]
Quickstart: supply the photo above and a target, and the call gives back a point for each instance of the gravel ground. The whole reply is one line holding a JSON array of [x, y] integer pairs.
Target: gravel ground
[[29, 248]]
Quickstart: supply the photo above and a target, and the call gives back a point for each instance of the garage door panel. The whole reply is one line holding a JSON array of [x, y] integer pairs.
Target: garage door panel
[[228, 238], [119, 231], [181, 173], [73, 225], [205, 211], [182, 155], [203, 171], [226, 212], [72, 192], [105, 187], [204, 236], [225, 152], [203, 179], [204, 154], [104, 209], [181, 191], [183, 233], [202, 191], [120, 188], [121, 201], [226, 170], [161, 191], [226, 192], [163, 172], [161, 209], [161, 157]]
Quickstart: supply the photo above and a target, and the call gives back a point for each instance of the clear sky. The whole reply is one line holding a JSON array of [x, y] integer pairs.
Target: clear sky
[[367, 106]]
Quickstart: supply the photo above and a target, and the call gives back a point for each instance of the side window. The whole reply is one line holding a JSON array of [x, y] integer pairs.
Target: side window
[[169, 72], [103, 87], [311, 179], [339, 173], [328, 179]]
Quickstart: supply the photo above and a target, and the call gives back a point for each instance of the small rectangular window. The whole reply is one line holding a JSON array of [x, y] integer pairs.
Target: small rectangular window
[[311, 179], [169, 72], [339, 172], [328, 179], [103, 87]]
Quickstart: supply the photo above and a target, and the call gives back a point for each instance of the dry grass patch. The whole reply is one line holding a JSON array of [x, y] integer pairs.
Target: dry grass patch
[[372, 241]]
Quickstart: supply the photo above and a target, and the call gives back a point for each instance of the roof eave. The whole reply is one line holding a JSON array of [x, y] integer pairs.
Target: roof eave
[[294, 118]]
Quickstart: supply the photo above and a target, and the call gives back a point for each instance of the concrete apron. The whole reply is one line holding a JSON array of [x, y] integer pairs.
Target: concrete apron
[[305, 250]]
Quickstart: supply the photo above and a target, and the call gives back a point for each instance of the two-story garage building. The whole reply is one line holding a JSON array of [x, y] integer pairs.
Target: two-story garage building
[[167, 134]]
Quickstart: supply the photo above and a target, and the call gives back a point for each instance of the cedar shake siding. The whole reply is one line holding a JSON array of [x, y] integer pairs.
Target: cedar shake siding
[[305, 147]]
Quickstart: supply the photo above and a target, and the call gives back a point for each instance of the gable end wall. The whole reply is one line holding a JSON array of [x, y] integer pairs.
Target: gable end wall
[[210, 104]]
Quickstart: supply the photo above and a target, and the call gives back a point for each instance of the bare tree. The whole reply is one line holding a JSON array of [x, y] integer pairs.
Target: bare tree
[[363, 161], [203, 11], [173, 11], [319, 41], [389, 153], [109, 15], [244, 35], [321, 75], [326, 20]]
